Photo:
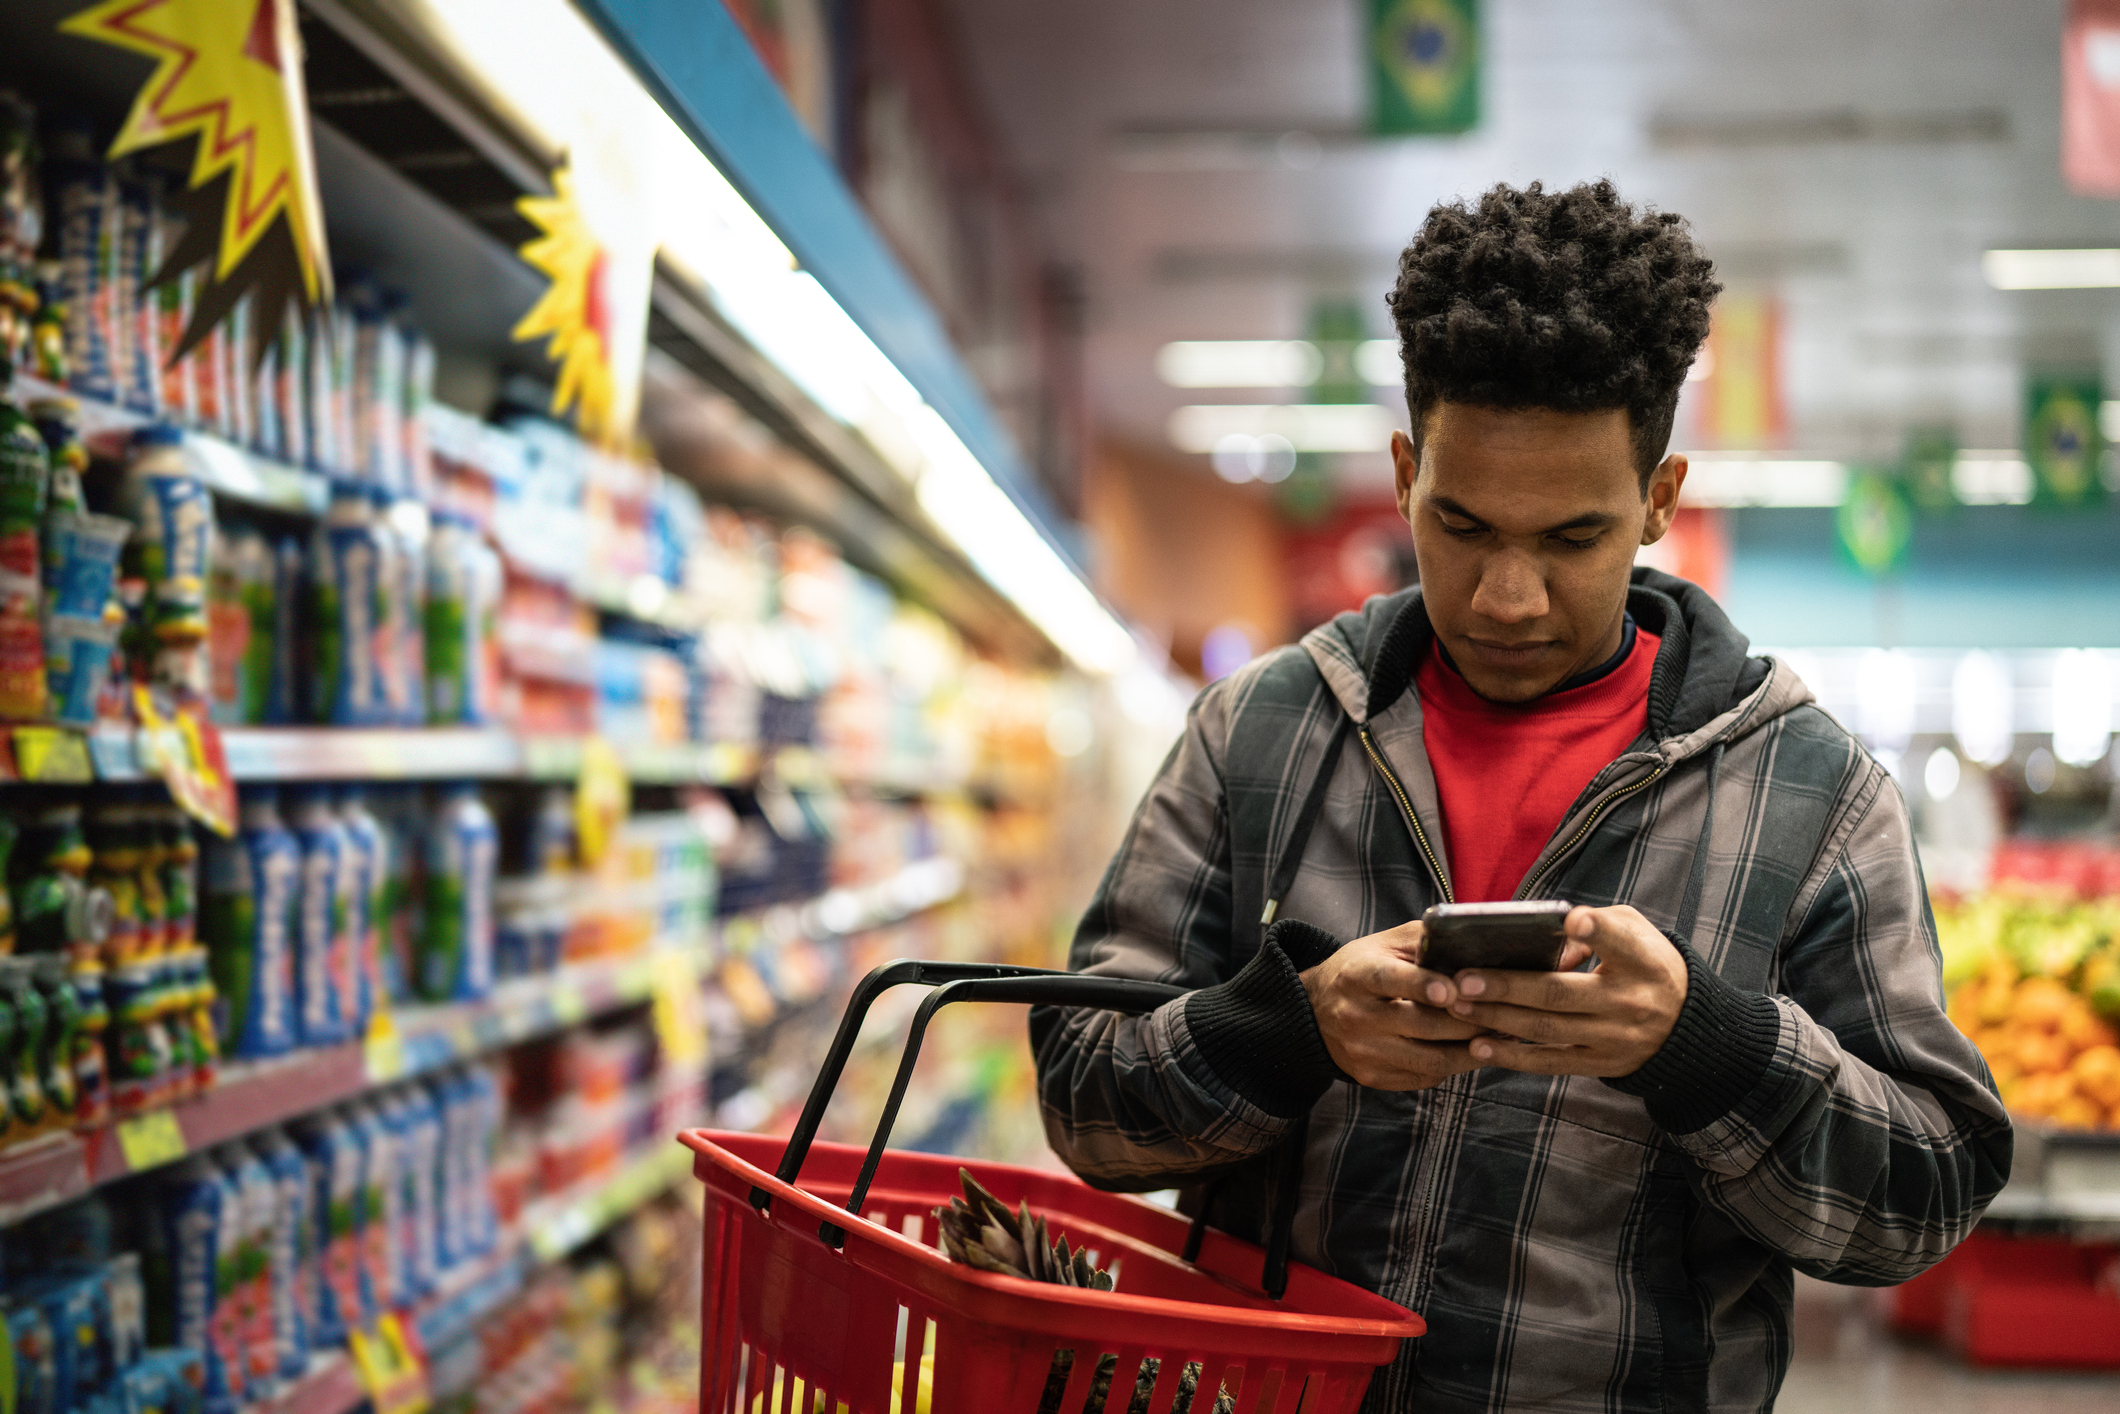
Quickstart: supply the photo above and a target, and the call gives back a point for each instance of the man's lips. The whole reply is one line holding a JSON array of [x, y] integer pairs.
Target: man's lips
[[1509, 655]]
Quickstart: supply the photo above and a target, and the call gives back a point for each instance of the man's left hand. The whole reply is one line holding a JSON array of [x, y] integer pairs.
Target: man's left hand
[[1605, 1022]]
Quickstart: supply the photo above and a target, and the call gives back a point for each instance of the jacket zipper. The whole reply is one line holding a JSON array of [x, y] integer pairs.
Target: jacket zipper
[[1596, 813], [1420, 836]]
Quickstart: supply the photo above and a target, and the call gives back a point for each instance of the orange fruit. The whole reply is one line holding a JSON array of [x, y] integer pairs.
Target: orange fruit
[[2037, 1053], [2005, 1071], [2097, 1074], [1993, 1004], [2040, 1001], [2082, 1028], [2077, 1112]]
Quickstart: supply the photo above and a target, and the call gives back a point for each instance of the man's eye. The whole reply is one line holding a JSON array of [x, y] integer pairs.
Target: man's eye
[[1577, 542], [1464, 530]]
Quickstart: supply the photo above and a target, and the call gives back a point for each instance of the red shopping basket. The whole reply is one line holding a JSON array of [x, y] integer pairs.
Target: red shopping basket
[[809, 1310]]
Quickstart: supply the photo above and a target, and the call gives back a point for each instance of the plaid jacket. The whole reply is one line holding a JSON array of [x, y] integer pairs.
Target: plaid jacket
[[1574, 1244]]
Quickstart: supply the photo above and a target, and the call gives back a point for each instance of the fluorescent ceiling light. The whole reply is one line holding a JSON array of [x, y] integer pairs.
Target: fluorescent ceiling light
[[1748, 479], [1307, 427], [2082, 269], [1268, 363], [1239, 363], [2001, 478], [545, 66]]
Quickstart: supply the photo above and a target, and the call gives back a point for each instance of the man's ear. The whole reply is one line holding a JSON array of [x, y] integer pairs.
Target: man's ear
[[1664, 484], [1405, 469]]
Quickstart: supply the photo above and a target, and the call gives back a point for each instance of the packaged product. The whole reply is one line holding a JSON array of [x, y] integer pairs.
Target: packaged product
[[47, 329], [180, 1374], [29, 1113], [55, 1056], [287, 700], [92, 1105], [141, 1056], [294, 1252], [117, 841], [81, 554], [126, 1302], [25, 479], [34, 1359], [408, 607], [172, 516], [172, 1036], [253, 889], [423, 1149], [324, 979], [242, 615], [21, 201], [394, 1117], [382, 1209], [378, 392], [332, 1157], [196, 1015], [75, 1311], [58, 422], [177, 860], [456, 943], [233, 348], [85, 197], [200, 1257], [368, 854], [350, 618], [170, 303], [399, 814], [151, 885], [139, 347], [289, 361], [246, 1298], [419, 392], [78, 658]]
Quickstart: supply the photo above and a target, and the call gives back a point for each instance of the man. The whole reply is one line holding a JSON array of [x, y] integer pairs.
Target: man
[[1594, 1184]]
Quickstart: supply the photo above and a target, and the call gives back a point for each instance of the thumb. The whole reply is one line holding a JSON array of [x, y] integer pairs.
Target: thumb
[[1619, 936]]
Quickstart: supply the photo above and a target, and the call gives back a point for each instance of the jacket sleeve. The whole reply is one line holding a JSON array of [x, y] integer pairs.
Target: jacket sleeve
[[1217, 1076], [1843, 1122]]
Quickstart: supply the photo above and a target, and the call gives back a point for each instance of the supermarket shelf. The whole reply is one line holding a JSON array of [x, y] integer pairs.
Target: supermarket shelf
[[554, 1228], [226, 469], [332, 1386], [2067, 1178], [76, 756], [422, 1039], [252, 1095]]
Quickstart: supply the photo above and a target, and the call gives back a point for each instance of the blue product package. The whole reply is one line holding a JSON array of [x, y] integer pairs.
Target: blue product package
[[74, 1309], [81, 562], [125, 1302], [368, 853], [76, 1237], [29, 1333], [294, 1252], [84, 195], [449, 1096], [139, 261], [394, 1120], [332, 1158], [285, 701], [456, 945], [486, 1116], [198, 1230], [382, 1207], [183, 1375], [144, 1389], [111, 1401], [319, 967], [352, 613], [248, 916], [423, 1141]]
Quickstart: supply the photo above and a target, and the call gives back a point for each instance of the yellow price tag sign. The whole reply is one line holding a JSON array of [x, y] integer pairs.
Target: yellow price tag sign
[[390, 1369], [150, 1140], [679, 1020], [602, 797], [53, 754]]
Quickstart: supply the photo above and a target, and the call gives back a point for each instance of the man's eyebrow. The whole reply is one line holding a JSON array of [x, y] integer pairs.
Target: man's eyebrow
[[1589, 520]]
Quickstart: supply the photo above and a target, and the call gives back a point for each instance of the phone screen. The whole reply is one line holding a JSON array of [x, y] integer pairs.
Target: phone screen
[[1516, 937]]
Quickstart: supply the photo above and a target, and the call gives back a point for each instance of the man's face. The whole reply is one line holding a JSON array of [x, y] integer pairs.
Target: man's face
[[1525, 523]]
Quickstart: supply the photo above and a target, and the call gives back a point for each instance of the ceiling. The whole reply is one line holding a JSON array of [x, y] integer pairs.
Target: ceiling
[[1199, 161]]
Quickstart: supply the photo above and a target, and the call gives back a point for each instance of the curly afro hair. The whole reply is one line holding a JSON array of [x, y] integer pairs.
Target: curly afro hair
[[1569, 300]]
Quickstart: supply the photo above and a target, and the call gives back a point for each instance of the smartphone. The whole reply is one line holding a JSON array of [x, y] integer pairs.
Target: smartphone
[[1513, 937]]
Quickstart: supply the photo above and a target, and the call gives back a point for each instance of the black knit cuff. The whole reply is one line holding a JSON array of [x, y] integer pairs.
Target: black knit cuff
[[1305, 944], [1716, 1054], [1258, 1034]]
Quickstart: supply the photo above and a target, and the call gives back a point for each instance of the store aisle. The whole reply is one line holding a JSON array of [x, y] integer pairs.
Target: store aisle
[[1847, 1362]]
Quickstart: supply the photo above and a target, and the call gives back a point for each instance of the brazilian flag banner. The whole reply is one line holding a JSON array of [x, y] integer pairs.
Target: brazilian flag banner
[[1424, 66], [2062, 444]]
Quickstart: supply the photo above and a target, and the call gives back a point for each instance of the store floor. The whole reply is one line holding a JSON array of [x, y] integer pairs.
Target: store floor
[[1847, 1362]]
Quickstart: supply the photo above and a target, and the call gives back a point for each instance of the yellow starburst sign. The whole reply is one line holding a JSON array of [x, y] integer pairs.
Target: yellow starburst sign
[[573, 316], [229, 74]]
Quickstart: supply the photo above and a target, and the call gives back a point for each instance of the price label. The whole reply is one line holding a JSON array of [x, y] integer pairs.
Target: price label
[[391, 1369], [383, 1057], [679, 1020], [53, 754], [150, 1139], [568, 1004]]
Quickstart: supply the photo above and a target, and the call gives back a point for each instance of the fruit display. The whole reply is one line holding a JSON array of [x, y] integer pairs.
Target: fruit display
[[2031, 968]]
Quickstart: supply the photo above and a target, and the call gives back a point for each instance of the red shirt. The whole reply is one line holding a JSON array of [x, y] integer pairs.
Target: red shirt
[[1507, 774]]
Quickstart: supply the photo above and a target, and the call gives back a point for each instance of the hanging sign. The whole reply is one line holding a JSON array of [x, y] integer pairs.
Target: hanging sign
[[2061, 442], [1424, 66], [228, 76], [1926, 466], [1740, 395], [2090, 98], [1874, 525], [593, 316]]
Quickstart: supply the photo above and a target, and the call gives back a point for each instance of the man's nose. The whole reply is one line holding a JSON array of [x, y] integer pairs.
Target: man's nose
[[1511, 589]]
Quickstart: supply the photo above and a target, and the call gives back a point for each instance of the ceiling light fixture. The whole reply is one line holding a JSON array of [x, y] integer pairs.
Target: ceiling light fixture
[[555, 74], [1239, 363], [1306, 427], [2087, 268]]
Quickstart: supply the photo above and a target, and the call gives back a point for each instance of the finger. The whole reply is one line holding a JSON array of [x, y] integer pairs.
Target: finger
[[1396, 1064], [1548, 991], [1406, 981], [1573, 955], [1545, 1028], [1617, 935], [1414, 1022], [1534, 1060]]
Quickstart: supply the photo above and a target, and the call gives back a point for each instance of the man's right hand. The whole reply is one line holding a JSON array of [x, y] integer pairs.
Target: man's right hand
[[1363, 996]]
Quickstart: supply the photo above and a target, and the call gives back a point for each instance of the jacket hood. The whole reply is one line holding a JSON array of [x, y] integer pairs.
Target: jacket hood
[[1703, 671]]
